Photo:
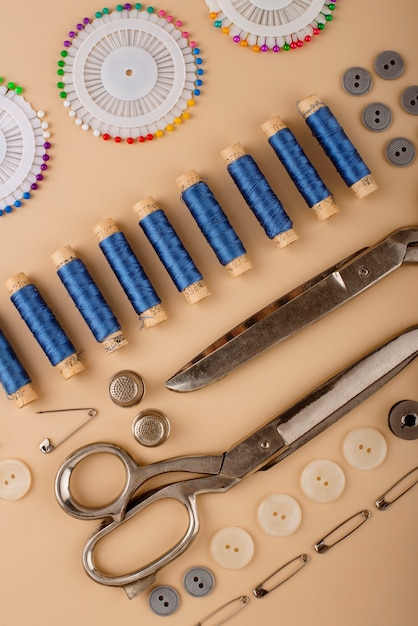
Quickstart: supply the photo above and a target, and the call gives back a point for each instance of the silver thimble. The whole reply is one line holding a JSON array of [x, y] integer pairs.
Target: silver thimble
[[150, 428], [126, 388]]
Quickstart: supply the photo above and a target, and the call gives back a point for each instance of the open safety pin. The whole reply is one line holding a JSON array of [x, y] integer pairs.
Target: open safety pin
[[321, 547], [46, 446], [260, 591]]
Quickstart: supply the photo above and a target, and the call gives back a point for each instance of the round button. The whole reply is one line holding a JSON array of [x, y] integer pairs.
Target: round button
[[400, 152], [126, 388], [409, 99], [377, 117], [164, 600], [364, 448], [232, 547], [389, 65], [403, 419], [199, 581], [357, 81], [322, 480], [279, 515], [15, 479]]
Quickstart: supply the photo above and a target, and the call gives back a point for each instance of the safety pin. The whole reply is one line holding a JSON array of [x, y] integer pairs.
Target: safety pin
[[243, 600], [322, 547], [383, 503], [46, 446], [302, 560]]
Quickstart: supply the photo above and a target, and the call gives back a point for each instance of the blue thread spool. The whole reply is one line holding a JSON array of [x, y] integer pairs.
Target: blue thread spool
[[259, 196], [300, 169], [170, 250], [213, 223], [337, 146], [128, 270], [88, 299], [44, 326], [13, 377]]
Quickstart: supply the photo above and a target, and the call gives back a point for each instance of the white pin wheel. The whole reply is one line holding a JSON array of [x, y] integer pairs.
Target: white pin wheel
[[275, 25], [129, 74], [24, 145]]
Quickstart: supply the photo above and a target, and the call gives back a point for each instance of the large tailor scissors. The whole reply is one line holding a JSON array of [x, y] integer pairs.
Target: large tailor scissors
[[262, 449]]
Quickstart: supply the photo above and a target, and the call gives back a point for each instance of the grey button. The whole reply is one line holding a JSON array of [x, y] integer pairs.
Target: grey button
[[377, 116], [199, 581], [409, 99], [357, 81], [389, 65], [151, 427], [126, 388], [400, 152], [164, 600]]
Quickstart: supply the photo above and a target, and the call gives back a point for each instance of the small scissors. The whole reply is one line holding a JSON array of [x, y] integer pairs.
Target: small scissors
[[217, 473]]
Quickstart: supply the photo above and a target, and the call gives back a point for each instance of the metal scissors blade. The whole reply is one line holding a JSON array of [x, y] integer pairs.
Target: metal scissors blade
[[296, 310], [263, 448]]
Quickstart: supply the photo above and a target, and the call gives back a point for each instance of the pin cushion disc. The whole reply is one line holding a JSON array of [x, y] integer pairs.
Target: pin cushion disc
[[273, 25], [24, 145], [129, 74]]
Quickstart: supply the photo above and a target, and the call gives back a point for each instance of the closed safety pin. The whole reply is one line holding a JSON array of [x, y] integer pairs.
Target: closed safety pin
[[260, 591], [322, 546], [46, 446], [241, 600], [383, 502]]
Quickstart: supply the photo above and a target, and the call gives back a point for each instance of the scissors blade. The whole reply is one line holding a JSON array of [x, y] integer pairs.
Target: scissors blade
[[321, 408], [292, 312]]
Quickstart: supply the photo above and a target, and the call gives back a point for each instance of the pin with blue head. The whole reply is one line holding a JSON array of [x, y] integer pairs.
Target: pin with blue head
[[213, 223], [337, 146], [88, 299], [130, 273], [259, 195], [44, 325], [13, 377], [170, 250], [300, 169]]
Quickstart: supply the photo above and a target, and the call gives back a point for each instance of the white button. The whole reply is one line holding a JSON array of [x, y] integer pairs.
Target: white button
[[232, 547], [279, 514], [15, 479], [364, 448], [322, 480]]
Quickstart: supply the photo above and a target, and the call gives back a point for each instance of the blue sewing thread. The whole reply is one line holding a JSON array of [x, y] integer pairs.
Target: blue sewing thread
[[89, 301], [259, 196], [213, 222], [337, 146], [12, 373], [43, 324], [129, 272], [299, 167], [170, 250]]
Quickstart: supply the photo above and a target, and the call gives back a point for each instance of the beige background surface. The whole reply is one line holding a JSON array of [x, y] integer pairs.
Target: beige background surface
[[370, 579]]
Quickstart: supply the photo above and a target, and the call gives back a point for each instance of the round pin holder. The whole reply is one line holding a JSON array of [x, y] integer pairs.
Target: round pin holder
[[131, 74], [264, 25], [24, 145]]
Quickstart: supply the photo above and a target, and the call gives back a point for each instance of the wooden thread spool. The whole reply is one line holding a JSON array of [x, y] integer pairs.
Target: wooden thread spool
[[151, 316], [237, 265], [14, 379], [71, 364]]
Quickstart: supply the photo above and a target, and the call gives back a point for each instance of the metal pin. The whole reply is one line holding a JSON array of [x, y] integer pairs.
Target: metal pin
[[384, 502], [322, 547], [242, 600], [46, 446], [260, 591]]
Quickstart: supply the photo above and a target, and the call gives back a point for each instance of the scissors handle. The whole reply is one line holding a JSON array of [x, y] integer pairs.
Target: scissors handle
[[114, 509]]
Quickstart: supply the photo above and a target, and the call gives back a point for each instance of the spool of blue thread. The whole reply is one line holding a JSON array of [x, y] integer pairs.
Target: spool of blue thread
[[300, 169], [259, 196], [13, 377], [213, 223], [130, 273], [337, 146], [88, 299], [170, 250], [44, 326]]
